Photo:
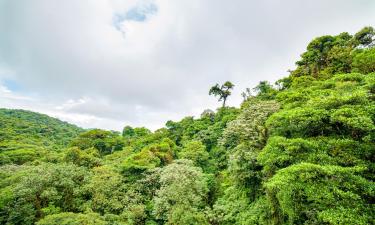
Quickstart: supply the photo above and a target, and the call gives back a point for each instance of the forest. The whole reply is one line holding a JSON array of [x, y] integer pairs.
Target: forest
[[297, 151]]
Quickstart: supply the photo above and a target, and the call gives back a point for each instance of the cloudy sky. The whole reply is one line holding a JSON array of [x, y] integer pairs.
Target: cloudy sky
[[110, 63]]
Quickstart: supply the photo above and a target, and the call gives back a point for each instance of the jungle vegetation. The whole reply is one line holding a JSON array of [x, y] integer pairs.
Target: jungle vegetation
[[299, 151]]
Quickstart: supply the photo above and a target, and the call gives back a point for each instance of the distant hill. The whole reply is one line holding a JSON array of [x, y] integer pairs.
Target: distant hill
[[25, 134]]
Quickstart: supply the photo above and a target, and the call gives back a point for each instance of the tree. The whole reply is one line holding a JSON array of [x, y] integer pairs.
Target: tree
[[180, 199], [134, 165], [107, 191], [208, 114], [246, 94], [328, 55], [317, 163], [364, 62], [196, 152], [105, 142], [322, 194], [222, 91], [88, 158], [243, 139], [297, 152], [43, 190], [365, 37], [265, 90], [141, 131], [128, 132], [151, 156]]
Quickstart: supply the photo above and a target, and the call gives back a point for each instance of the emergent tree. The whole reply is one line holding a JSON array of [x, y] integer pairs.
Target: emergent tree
[[222, 91]]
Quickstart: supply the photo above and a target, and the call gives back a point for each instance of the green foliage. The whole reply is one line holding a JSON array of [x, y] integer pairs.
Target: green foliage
[[87, 158], [222, 91], [244, 138], [26, 136], [249, 125], [137, 163], [365, 37], [265, 90], [145, 137], [141, 131], [364, 62], [107, 191], [44, 189], [180, 199], [321, 151], [18, 156], [196, 152], [128, 132], [298, 152], [151, 156], [317, 194], [327, 55], [206, 129], [314, 162], [72, 219], [281, 152], [132, 133], [105, 142], [236, 208], [340, 106]]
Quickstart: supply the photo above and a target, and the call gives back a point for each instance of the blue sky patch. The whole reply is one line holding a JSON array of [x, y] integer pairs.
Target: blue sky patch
[[11, 85], [138, 13]]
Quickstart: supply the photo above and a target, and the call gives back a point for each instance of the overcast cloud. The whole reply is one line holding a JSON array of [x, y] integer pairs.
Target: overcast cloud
[[111, 63]]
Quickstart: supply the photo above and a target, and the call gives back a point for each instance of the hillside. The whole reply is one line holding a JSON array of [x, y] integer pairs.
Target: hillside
[[300, 151], [25, 134]]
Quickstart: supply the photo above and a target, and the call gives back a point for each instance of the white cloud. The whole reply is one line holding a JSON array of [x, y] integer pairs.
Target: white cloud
[[71, 59]]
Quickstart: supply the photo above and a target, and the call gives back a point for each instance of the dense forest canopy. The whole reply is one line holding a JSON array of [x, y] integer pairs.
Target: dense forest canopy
[[300, 151], [25, 135]]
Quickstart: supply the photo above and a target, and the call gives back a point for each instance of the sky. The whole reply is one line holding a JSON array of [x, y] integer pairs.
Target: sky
[[110, 63]]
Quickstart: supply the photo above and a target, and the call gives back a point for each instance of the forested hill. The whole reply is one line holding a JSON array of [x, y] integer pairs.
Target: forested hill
[[300, 151], [25, 134]]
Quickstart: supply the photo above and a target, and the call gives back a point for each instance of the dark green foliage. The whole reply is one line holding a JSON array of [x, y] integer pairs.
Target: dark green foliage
[[128, 132], [223, 91], [365, 37]]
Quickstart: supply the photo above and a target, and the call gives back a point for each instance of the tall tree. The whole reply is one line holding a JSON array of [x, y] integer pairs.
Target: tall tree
[[222, 91]]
